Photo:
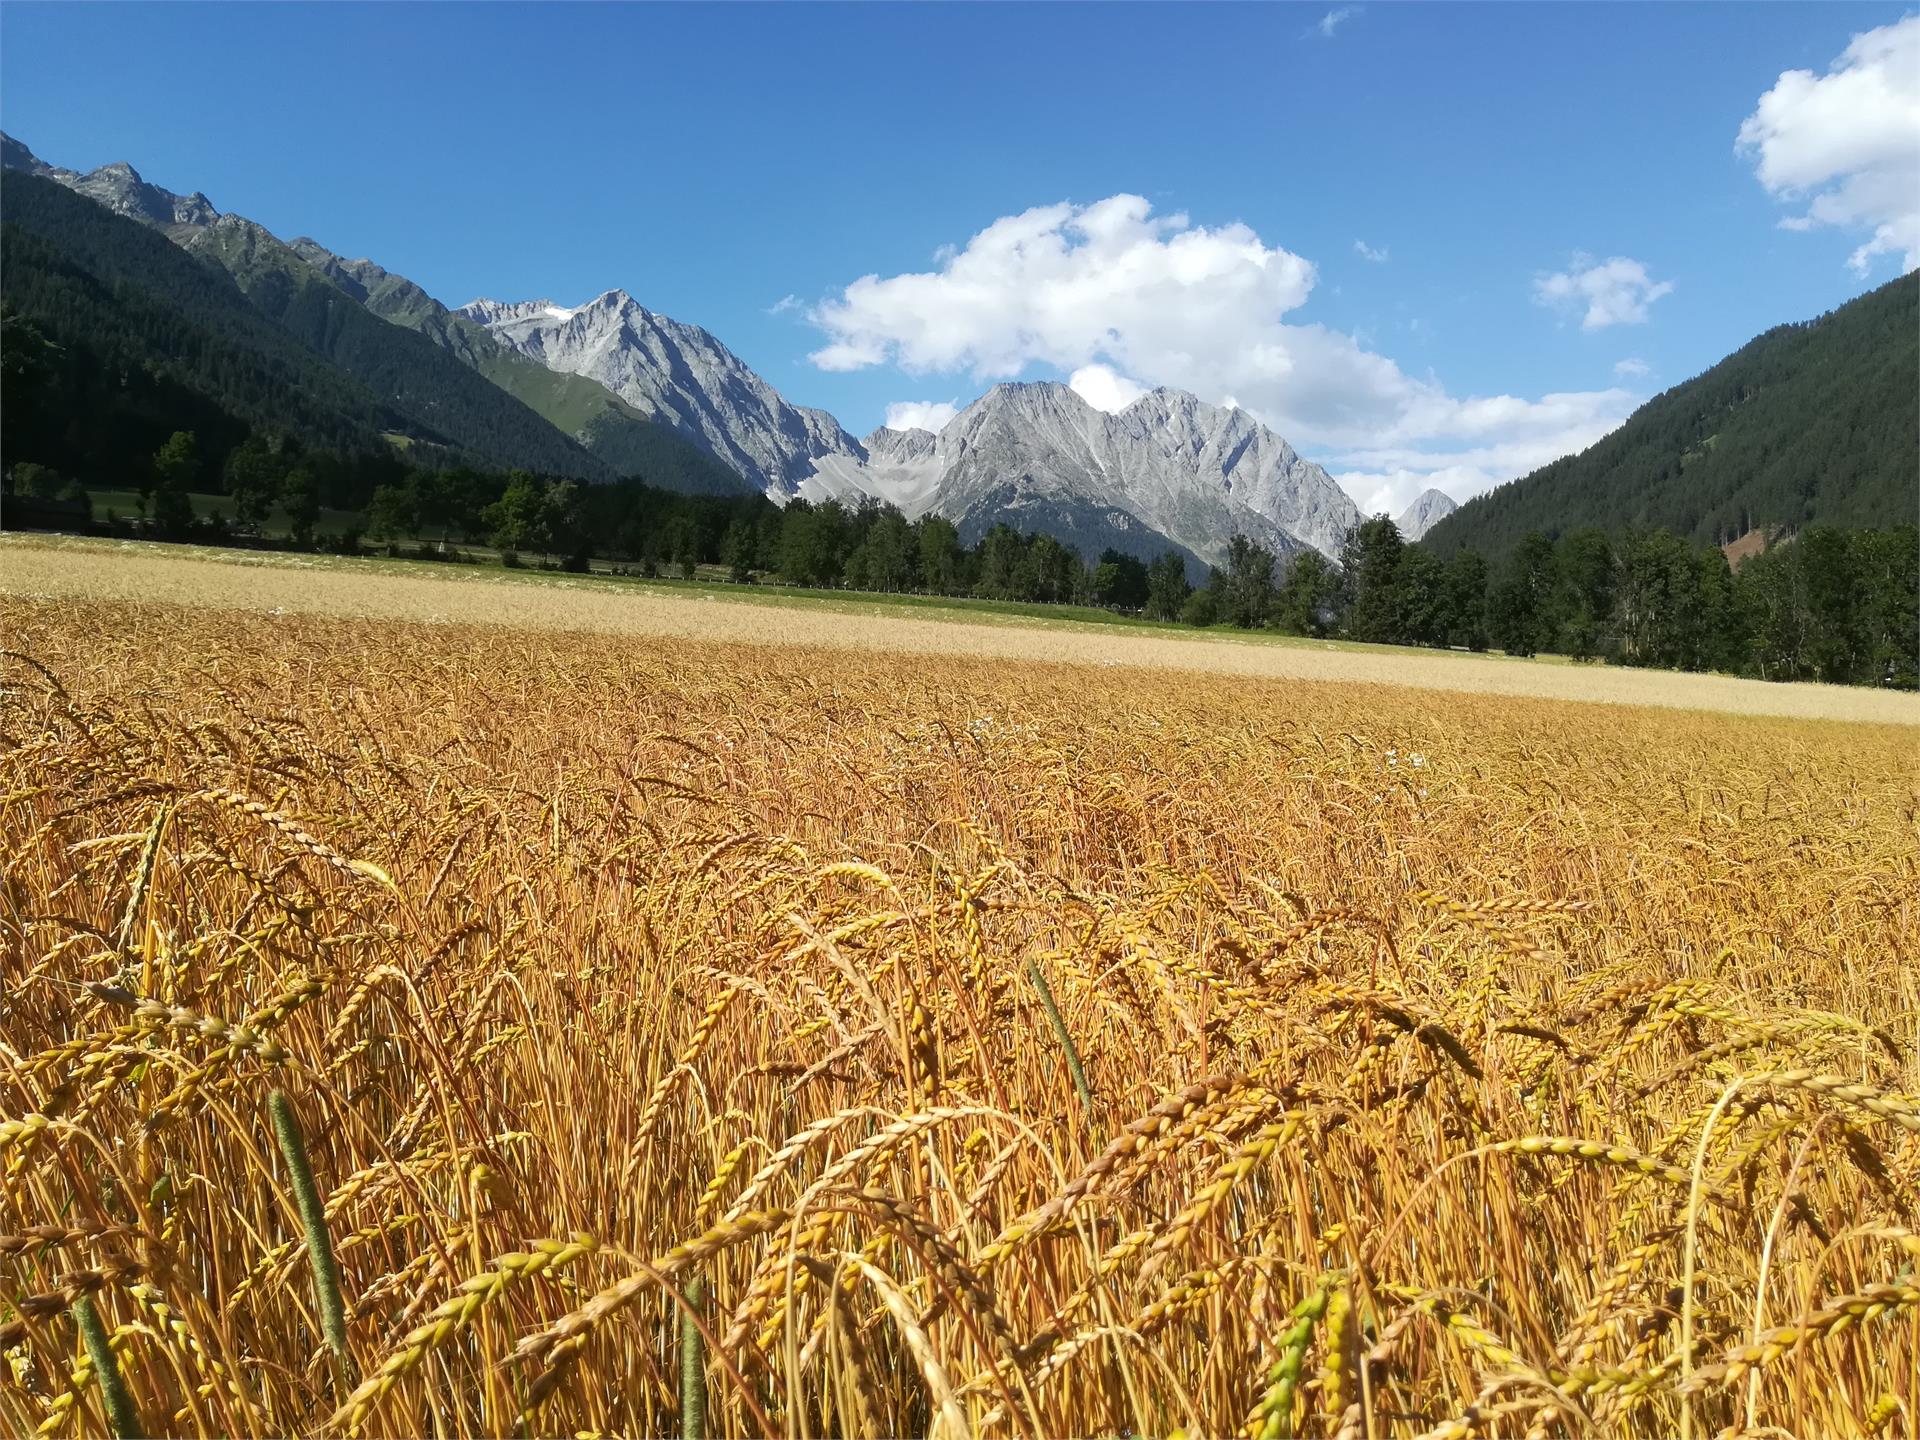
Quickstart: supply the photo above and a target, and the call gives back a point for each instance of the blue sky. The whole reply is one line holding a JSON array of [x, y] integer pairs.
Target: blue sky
[[716, 160]]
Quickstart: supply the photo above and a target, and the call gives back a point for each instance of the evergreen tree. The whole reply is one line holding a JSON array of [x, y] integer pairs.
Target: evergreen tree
[[300, 499], [1119, 581], [175, 468], [1520, 617], [1424, 617], [1001, 556], [1305, 604], [253, 480], [1167, 587], [1207, 605], [888, 559], [737, 551], [512, 521], [680, 545], [1465, 607], [938, 544], [1585, 605], [1370, 580], [390, 516], [1248, 589]]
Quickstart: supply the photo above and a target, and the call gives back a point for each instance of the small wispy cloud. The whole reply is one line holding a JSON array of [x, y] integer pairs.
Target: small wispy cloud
[[784, 304], [1632, 368], [1367, 252], [1333, 20]]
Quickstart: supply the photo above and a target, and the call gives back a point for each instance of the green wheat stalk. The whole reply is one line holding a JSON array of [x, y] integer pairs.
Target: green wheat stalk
[[306, 1199], [693, 1370], [122, 1418], [1066, 1038]]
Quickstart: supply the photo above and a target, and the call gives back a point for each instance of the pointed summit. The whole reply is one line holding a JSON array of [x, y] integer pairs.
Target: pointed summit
[[678, 375], [1429, 510]]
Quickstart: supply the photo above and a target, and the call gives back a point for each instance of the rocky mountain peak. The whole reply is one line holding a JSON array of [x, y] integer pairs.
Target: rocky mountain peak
[[678, 375], [1427, 511], [117, 186], [1169, 467]]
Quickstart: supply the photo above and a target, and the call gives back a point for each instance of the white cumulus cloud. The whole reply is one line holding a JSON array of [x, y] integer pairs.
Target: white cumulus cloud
[[1104, 389], [1614, 292], [1120, 298], [1387, 479], [921, 415], [1367, 252], [1632, 368], [1846, 145]]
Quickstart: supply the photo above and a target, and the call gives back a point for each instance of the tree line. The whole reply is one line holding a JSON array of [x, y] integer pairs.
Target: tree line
[[1841, 606]]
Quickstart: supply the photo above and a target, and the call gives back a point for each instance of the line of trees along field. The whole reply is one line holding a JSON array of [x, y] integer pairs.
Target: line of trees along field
[[1841, 606]]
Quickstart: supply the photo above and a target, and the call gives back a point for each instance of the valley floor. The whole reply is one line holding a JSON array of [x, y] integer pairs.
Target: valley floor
[[64, 568]]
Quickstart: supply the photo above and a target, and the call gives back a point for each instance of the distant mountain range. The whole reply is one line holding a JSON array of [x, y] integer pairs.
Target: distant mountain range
[[1811, 423], [353, 354], [168, 312], [1167, 468]]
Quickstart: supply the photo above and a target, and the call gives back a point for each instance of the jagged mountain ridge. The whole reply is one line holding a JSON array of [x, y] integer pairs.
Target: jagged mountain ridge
[[1193, 473], [625, 438], [677, 374], [117, 186], [1176, 468], [1040, 447]]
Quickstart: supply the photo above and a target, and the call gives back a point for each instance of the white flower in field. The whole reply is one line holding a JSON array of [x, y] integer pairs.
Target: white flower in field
[[278, 610], [1416, 760], [1423, 792]]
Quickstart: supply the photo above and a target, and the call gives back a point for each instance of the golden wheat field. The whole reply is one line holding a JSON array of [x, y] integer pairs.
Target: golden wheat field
[[454, 1030], [65, 567]]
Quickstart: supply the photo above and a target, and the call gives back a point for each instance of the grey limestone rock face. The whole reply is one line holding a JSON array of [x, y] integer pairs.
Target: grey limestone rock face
[[1191, 473], [679, 375], [1427, 511]]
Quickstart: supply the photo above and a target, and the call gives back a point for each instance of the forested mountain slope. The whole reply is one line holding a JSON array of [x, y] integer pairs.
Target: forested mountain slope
[[147, 340], [442, 381], [1810, 423], [256, 337], [441, 396]]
